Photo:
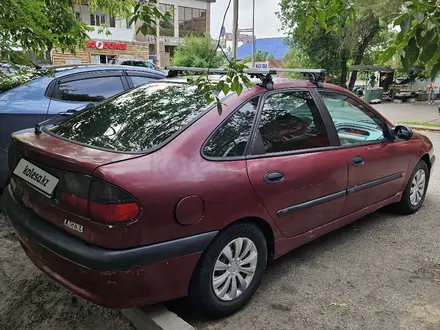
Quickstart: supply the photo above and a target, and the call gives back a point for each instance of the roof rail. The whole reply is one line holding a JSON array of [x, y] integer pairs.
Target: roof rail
[[316, 76]]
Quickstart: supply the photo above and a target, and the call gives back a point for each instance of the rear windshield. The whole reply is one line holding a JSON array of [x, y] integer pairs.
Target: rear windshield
[[139, 120]]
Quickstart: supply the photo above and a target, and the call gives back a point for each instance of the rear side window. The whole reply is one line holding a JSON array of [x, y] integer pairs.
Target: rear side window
[[290, 121], [139, 120], [89, 90], [231, 138]]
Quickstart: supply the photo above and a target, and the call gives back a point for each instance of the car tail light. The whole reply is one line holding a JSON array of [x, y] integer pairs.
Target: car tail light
[[74, 194], [110, 204], [98, 200], [114, 212]]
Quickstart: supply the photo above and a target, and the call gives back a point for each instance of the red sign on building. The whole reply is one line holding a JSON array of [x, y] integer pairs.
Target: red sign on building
[[106, 45]]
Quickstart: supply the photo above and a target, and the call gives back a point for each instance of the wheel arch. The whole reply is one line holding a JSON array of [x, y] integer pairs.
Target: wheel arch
[[260, 223], [427, 159]]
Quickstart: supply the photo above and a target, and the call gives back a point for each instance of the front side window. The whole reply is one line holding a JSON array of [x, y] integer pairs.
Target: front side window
[[231, 138], [89, 90], [355, 123], [290, 121], [138, 120]]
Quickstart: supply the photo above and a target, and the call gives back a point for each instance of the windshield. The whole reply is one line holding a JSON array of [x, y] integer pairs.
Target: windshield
[[139, 120]]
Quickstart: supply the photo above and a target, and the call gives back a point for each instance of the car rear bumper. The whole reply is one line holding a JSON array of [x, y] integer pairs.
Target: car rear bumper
[[112, 278]]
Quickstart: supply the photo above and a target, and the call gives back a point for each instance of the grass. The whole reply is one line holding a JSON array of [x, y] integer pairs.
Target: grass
[[419, 124]]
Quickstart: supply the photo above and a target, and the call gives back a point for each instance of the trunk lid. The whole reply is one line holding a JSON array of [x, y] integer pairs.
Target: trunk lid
[[62, 159], [56, 152]]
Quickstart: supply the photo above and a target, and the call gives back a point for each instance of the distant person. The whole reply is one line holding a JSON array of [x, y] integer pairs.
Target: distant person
[[431, 92], [372, 81]]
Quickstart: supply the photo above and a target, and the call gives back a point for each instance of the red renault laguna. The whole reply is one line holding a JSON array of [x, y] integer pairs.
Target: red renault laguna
[[152, 195]]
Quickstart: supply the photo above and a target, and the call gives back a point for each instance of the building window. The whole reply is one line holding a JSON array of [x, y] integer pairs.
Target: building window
[[78, 15], [165, 29], [112, 21], [191, 21], [97, 19]]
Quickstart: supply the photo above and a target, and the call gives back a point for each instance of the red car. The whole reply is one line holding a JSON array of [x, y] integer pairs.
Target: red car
[[152, 195]]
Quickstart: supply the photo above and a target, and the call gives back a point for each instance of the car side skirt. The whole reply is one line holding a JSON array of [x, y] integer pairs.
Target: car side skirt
[[284, 245]]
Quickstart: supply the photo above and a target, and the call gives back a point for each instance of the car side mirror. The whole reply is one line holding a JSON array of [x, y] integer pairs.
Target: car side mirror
[[403, 132]]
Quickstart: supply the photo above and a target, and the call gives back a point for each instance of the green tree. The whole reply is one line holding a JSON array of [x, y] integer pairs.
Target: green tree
[[418, 21], [355, 29], [197, 52], [38, 26], [260, 56]]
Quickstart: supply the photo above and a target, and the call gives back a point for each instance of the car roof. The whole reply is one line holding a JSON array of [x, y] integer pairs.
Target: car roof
[[64, 70]]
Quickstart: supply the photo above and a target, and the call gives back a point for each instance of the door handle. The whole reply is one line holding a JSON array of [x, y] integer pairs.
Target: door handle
[[273, 177], [358, 161]]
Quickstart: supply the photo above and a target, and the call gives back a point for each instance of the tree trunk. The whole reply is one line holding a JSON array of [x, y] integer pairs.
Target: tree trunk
[[343, 80], [360, 53]]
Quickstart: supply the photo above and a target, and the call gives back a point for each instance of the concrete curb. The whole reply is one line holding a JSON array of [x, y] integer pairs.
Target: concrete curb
[[156, 317], [425, 128]]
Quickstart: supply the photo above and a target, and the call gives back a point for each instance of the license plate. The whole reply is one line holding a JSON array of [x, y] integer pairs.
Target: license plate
[[36, 177]]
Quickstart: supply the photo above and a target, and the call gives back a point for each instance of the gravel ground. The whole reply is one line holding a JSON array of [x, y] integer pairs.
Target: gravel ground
[[30, 300], [381, 272]]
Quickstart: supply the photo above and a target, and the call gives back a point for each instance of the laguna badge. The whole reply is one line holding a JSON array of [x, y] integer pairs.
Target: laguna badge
[[74, 226]]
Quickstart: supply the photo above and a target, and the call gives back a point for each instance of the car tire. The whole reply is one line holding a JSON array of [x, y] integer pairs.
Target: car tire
[[219, 276], [414, 193]]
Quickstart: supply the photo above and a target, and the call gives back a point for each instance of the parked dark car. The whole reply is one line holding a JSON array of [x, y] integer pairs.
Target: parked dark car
[[58, 89], [153, 196]]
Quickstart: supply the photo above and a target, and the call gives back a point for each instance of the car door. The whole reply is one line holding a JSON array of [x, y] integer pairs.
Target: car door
[[80, 89], [294, 163], [376, 163]]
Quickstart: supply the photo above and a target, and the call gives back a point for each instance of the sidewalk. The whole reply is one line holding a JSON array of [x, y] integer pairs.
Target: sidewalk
[[419, 112]]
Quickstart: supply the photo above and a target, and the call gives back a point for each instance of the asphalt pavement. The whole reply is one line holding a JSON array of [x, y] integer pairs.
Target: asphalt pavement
[[420, 112], [381, 272]]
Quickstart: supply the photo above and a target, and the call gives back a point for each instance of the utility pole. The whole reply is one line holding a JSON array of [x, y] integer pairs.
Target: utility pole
[[235, 30], [253, 33], [158, 43]]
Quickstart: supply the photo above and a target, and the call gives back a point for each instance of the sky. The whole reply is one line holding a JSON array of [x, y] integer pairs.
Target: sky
[[267, 23]]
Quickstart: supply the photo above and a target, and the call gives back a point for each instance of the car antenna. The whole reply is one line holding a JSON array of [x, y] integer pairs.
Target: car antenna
[[316, 76]]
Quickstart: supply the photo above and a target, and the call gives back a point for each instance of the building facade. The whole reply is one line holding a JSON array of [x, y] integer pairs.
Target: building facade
[[189, 17]]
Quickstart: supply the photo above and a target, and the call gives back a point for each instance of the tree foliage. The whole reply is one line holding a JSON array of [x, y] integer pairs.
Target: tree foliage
[[418, 21], [419, 36], [39, 26], [197, 52], [336, 34], [260, 56]]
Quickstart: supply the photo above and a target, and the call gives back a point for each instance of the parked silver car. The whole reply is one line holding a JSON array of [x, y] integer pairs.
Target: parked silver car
[[136, 62]]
